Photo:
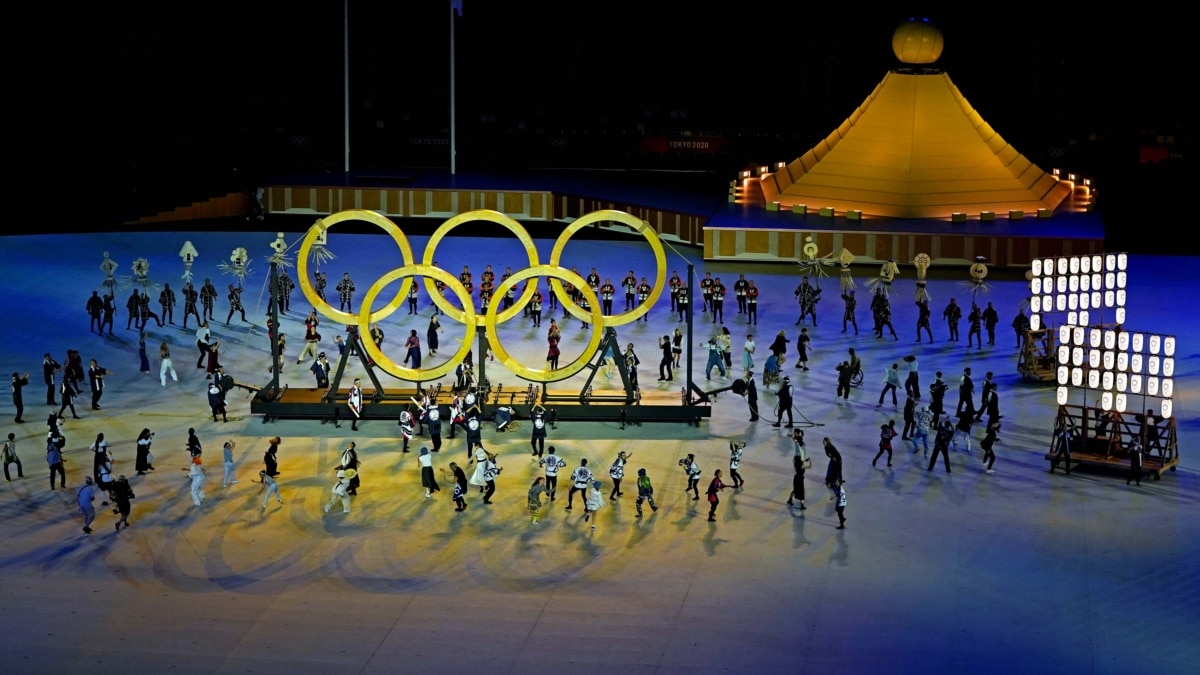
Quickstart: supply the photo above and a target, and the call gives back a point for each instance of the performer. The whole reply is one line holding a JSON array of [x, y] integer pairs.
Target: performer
[[509, 295], [134, 307], [886, 433], [189, 304], [674, 283], [216, 400], [952, 314], [593, 281], [785, 402], [808, 297], [693, 476], [751, 303], [208, 296], [537, 441], [714, 488], [553, 464], [617, 472], [94, 308], [630, 285], [345, 290], [803, 341], [320, 281], [50, 367], [413, 290], [534, 308], [355, 403], [406, 426], [800, 463], [1065, 433], [607, 290], [664, 366], [989, 440], [706, 290], [110, 311], [166, 299], [717, 300], [18, 383], [643, 293], [235, 303], [735, 462], [974, 319], [350, 461], [144, 309], [681, 301], [283, 287], [848, 315], [739, 290], [923, 315], [990, 319], [95, 379], [881, 310], [941, 445], [645, 492], [1020, 325]]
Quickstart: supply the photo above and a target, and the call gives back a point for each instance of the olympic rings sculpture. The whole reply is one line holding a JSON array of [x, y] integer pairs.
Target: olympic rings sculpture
[[467, 315]]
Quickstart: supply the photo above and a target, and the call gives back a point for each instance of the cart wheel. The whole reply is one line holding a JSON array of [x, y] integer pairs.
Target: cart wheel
[[1158, 476], [856, 379]]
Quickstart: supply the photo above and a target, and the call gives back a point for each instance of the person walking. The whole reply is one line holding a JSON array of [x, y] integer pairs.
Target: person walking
[[891, 381], [841, 506], [460, 486], [428, 481], [735, 462], [227, 456], [355, 402], [941, 444], [664, 366], [714, 488], [922, 420], [1135, 460], [121, 494], [197, 476], [581, 478], [910, 418], [784, 396], [886, 433], [341, 490], [165, 366], [9, 453], [18, 383], [693, 476], [645, 492], [553, 464], [990, 440], [270, 457], [85, 497], [800, 464], [833, 473], [593, 503], [54, 461], [534, 498]]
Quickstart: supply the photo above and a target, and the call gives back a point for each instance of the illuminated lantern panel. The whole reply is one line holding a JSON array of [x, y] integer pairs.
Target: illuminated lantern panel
[[1169, 346], [1135, 363], [1152, 365], [1120, 315], [1072, 319], [1123, 341], [1106, 400], [1073, 283], [1063, 265], [1074, 265], [1106, 381], [1037, 268], [1096, 263], [1122, 261], [1110, 298], [1166, 407], [1064, 334], [1110, 262], [1094, 337], [1094, 358], [1062, 284], [1064, 374], [1135, 384], [1061, 303], [1155, 343], [1168, 388], [1085, 283], [1121, 402], [1035, 322], [1168, 367], [1110, 339], [1076, 377], [1085, 264], [1122, 382], [1084, 301], [1035, 304], [1096, 297], [1077, 356], [1062, 396], [1084, 318], [1120, 298], [1120, 280], [1064, 354], [1096, 282], [1035, 286], [1073, 301], [1109, 360], [1122, 361], [1077, 336], [1110, 280], [1093, 379], [1138, 342], [1152, 386]]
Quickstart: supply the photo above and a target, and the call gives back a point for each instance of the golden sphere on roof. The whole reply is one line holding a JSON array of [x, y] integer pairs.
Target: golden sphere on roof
[[917, 42]]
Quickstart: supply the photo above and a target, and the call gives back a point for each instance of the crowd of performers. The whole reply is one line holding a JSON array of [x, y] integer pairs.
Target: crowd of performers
[[466, 410]]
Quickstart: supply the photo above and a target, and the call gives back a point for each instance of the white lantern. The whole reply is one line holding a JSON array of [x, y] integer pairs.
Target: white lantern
[[1064, 374], [1097, 282], [1085, 283], [1085, 264], [1064, 354], [1035, 322], [1063, 265], [1168, 367], [1120, 297], [1093, 379], [1168, 387], [1035, 286], [1085, 300], [1094, 359], [1152, 386], [1077, 336], [1073, 302], [1060, 303], [1062, 284], [1138, 342], [1152, 365], [1122, 261], [1123, 340], [1110, 339], [1169, 345], [1155, 343], [1122, 361], [1077, 377], [1084, 318], [1119, 315], [1166, 408], [1120, 280], [1110, 298], [1077, 356], [1122, 382], [1135, 363], [1121, 402], [1135, 384], [1096, 298], [1106, 381], [1095, 335], [1073, 283], [1096, 267], [1035, 304], [1037, 267], [1106, 400], [1110, 280], [1110, 262], [1064, 334], [1109, 360]]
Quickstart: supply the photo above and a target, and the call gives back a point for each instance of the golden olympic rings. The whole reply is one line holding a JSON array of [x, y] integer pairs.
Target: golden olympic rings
[[490, 216], [467, 315], [594, 318], [660, 263], [305, 279], [389, 366]]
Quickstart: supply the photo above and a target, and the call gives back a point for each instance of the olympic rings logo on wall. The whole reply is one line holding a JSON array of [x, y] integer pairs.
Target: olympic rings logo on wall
[[408, 271]]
